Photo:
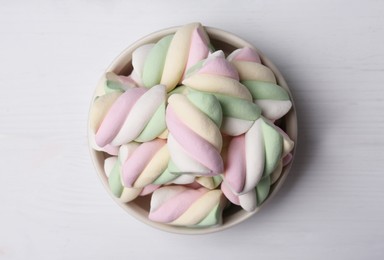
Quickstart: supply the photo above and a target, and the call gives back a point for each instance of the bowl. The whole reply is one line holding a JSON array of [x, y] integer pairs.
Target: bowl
[[139, 208]]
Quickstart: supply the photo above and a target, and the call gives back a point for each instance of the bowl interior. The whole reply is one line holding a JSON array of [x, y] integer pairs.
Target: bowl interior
[[139, 208]]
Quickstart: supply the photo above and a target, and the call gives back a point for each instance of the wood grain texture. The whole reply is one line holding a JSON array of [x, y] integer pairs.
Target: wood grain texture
[[52, 54]]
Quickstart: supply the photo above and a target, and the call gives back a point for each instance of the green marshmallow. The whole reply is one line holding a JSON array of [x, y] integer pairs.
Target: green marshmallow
[[273, 143], [154, 63], [265, 90], [238, 108], [114, 180], [217, 180], [212, 218], [262, 190], [113, 86], [208, 104]]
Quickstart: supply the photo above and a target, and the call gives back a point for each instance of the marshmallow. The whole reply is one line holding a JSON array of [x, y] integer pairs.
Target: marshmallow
[[194, 138], [166, 61], [113, 170], [217, 76], [273, 100], [137, 114], [255, 155], [183, 206]]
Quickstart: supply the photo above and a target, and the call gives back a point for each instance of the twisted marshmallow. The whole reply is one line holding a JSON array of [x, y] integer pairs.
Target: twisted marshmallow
[[108, 92], [261, 82], [166, 61], [194, 138], [113, 170], [182, 206], [137, 114], [257, 154], [255, 197], [148, 164], [217, 76]]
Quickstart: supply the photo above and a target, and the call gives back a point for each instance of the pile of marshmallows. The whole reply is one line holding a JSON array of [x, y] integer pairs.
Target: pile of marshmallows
[[192, 128]]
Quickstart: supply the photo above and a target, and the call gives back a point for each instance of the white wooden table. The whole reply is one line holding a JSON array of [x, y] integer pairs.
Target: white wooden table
[[53, 206]]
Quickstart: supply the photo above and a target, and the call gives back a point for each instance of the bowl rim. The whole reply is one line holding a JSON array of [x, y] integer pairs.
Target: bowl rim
[[118, 65]]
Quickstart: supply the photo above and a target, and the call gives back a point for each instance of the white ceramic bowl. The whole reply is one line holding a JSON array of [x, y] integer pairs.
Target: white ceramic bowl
[[139, 208]]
